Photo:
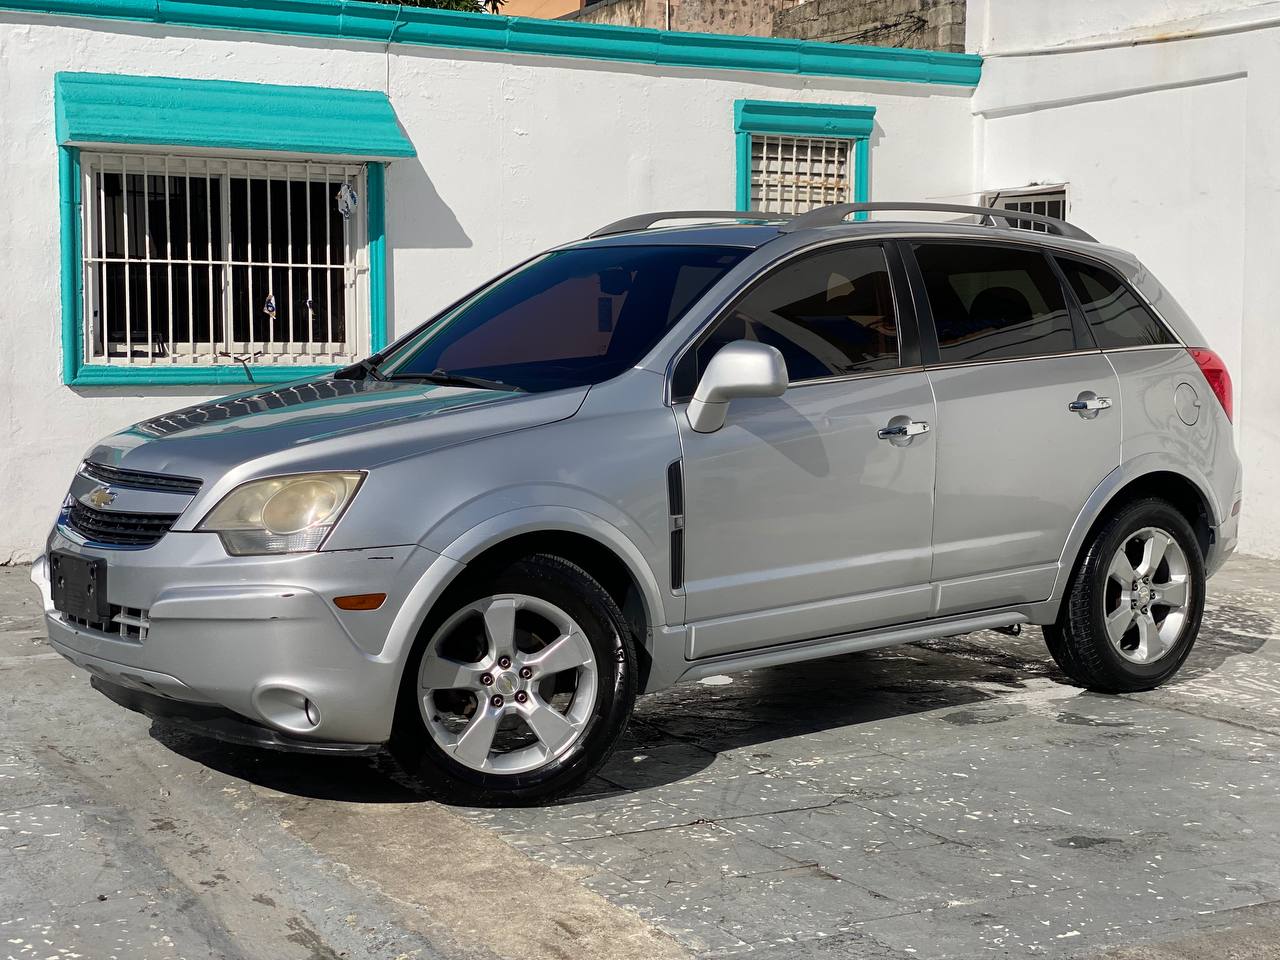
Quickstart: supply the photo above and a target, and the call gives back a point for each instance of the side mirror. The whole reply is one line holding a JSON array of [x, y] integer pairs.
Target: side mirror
[[739, 369]]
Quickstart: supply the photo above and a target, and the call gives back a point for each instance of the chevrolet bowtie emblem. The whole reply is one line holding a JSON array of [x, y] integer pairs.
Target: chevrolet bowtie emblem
[[99, 497]]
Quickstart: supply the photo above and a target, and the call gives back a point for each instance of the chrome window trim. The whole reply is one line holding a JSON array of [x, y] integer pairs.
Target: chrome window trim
[[986, 363], [1147, 346], [865, 375], [724, 304]]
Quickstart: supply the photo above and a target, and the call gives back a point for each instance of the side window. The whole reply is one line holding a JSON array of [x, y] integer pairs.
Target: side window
[[1114, 313], [992, 302], [830, 314]]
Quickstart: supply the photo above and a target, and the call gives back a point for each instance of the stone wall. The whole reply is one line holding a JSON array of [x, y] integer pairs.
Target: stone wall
[[922, 24], [741, 17]]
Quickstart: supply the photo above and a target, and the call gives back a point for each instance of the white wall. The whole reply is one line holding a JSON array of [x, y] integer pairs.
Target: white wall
[[515, 154], [1169, 149], [1004, 26]]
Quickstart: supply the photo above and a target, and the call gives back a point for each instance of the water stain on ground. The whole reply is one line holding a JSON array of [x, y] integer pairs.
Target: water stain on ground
[[1082, 842], [1077, 720], [969, 718]]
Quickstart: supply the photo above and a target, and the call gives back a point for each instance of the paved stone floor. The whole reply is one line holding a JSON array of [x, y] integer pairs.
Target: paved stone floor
[[953, 799]]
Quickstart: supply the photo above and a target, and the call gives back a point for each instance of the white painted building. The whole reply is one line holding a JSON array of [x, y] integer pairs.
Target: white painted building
[[1161, 118], [468, 143]]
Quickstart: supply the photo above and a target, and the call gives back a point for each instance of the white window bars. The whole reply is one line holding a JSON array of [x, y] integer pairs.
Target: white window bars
[[1048, 202], [201, 261], [797, 174]]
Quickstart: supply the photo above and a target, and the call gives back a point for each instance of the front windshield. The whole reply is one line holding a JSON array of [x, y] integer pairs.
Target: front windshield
[[567, 319]]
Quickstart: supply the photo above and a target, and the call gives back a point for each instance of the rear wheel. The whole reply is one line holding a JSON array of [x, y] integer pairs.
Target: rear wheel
[[1133, 608], [519, 688]]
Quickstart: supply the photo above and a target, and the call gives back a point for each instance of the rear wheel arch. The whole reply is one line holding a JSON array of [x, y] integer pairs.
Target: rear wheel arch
[[1177, 489]]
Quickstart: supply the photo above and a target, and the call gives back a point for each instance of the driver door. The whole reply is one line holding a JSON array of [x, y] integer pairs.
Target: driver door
[[801, 519]]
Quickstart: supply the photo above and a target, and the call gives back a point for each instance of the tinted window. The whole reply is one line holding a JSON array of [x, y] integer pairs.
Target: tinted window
[[830, 315], [1114, 313], [569, 318], [991, 302]]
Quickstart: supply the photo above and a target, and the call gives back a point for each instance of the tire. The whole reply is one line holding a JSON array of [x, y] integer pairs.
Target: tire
[[1128, 624], [472, 721]]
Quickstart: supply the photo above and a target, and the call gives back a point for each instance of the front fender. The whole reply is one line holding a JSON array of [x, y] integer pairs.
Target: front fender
[[494, 530]]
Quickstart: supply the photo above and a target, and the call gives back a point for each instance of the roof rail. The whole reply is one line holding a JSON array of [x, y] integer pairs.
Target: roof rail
[[835, 213], [644, 221]]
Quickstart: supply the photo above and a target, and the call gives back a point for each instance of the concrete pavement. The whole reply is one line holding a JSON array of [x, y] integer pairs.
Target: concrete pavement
[[952, 799]]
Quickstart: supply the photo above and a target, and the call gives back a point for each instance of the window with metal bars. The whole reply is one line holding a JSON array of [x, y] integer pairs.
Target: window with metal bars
[[797, 174], [202, 261], [1048, 203]]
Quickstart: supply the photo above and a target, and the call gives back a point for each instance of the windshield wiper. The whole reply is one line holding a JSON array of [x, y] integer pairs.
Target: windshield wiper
[[365, 367], [445, 378]]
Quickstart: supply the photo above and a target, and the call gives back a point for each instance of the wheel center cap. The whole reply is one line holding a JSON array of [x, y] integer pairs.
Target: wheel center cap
[[1144, 595], [505, 684]]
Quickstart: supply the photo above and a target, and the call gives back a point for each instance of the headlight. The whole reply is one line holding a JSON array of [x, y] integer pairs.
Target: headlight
[[281, 514]]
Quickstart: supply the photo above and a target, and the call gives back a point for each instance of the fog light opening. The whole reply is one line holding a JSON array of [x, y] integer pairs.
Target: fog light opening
[[287, 709]]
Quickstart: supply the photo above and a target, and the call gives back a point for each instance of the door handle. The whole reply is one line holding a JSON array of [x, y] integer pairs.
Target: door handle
[[1092, 404], [903, 431]]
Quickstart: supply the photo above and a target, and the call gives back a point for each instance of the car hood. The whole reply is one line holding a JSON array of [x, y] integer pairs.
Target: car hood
[[324, 424]]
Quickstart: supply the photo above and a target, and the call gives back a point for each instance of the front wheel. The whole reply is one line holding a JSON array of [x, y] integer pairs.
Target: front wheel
[[1133, 608], [519, 688]]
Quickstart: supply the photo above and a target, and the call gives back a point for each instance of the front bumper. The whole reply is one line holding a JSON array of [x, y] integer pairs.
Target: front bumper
[[258, 636]]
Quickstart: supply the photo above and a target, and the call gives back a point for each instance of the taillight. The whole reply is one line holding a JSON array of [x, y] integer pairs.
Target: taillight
[[1215, 372]]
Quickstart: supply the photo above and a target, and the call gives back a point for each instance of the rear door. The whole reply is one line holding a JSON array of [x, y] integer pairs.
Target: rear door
[[1028, 418]]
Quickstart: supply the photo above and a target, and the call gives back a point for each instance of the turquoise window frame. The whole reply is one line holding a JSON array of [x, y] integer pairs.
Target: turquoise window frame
[[190, 103], [789, 119]]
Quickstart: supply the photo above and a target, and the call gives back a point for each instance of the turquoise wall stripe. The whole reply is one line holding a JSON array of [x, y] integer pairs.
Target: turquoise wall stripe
[[384, 23], [224, 115], [783, 118], [375, 180]]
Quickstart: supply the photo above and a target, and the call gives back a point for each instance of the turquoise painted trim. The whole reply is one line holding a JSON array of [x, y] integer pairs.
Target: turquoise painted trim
[[94, 108], [783, 118], [861, 174], [232, 374], [375, 187], [743, 179], [386, 23], [803, 119], [69, 236]]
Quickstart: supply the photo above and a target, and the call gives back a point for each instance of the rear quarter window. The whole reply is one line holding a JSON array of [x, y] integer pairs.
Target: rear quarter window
[[1115, 314]]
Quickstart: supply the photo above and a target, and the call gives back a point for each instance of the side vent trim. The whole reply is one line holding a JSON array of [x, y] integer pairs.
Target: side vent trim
[[675, 509]]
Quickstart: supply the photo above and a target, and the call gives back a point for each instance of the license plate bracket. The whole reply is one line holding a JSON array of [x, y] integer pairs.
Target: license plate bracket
[[79, 586]]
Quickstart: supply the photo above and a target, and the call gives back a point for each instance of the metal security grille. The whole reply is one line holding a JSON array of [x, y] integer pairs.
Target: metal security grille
[[1048, 203], [205, 261], [797, 174]]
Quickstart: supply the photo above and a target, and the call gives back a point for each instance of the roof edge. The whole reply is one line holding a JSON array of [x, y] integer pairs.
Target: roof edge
[[359, 20]]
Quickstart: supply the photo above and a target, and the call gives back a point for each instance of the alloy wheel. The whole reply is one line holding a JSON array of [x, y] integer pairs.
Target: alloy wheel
[[507, 684], [1147, 596]]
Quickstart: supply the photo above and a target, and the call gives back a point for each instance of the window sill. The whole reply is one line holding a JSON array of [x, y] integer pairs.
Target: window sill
[[231, 374]]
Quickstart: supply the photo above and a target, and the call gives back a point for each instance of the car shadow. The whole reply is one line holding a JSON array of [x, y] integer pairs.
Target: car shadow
[[685, 728]]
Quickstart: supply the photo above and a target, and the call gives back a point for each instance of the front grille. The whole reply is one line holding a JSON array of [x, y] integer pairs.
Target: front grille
[[138, 479], [117, 528], [128, 623]]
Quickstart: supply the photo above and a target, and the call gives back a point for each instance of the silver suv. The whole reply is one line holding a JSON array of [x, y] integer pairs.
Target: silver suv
[[659, 454]]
